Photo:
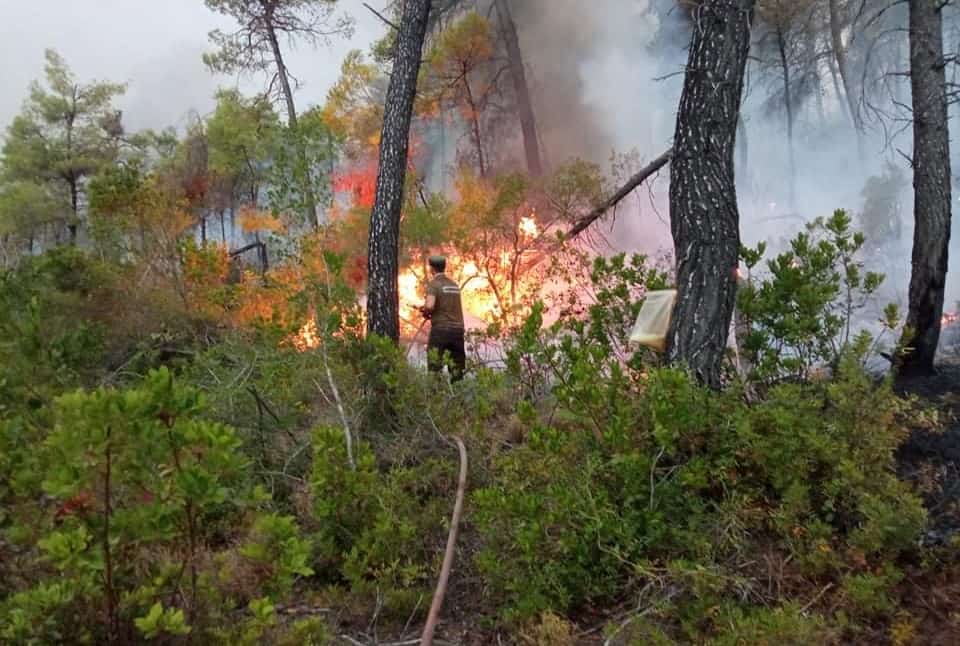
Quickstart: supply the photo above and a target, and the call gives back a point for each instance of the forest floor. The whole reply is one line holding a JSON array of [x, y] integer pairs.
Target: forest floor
[[931, 460]]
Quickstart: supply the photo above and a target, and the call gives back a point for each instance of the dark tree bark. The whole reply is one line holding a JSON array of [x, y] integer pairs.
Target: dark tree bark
[[703, 200], [73, 225], [788, 106], [383, 318], [931, 185], [528, 122], [840, 57]]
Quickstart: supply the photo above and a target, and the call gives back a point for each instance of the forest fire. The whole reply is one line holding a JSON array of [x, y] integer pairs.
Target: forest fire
[[307, 337], [482, 290], [488, 281], [528, 227]]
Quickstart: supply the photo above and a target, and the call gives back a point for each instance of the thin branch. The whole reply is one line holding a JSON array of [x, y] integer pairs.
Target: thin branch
[[382, 17]]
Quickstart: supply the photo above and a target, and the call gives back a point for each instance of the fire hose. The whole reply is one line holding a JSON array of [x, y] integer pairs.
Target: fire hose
[[413, 341]]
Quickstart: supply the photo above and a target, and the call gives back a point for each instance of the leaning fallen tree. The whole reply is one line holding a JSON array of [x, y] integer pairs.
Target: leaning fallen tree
[[639, 178]]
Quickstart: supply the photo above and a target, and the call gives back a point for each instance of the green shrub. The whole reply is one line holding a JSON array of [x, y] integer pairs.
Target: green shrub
[[140, 488], [801, 316], [783, 626]]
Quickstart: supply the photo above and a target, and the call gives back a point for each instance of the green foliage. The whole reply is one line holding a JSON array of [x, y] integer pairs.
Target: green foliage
[[638, 472], [162, 620], [140, 486], [784, 626], [597, 479], [66, 132], [869, 594], [249, 49], [48, 342], [584, 353], [241, 133], [275, 546], [802, 315], [25, 208], [302, 156], [380, 531]]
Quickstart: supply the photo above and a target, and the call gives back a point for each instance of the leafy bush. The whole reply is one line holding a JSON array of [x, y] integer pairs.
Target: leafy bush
[[140, 489], [802, 316]]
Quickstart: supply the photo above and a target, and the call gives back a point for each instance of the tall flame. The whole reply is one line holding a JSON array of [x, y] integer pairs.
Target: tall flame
[[477, 292]]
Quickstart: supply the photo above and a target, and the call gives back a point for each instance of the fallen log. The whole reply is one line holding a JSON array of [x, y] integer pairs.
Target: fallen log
[[580, 225]]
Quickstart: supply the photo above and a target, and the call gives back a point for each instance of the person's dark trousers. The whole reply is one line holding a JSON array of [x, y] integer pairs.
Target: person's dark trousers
[[447, 346]]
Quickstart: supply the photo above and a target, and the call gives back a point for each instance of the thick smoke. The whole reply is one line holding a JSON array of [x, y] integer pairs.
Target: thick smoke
[[608, 76]]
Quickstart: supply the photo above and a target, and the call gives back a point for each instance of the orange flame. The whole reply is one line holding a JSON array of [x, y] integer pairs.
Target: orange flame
[[307, 338], [476, 288]]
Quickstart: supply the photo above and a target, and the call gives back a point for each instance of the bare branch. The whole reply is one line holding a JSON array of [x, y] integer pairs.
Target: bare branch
[[379, 15], [635, 181]]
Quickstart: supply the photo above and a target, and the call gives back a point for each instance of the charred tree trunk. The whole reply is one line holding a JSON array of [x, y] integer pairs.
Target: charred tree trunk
[[703, 200], [743, 144], [383, 317], [788, 106], [73, 225], [931, 185], [528, 123], [840, 56]]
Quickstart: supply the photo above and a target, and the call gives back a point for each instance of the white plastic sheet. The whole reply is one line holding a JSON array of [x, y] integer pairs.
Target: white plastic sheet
[[653, 321]]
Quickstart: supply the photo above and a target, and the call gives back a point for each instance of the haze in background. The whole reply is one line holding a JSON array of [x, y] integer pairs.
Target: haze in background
[[606, 76]]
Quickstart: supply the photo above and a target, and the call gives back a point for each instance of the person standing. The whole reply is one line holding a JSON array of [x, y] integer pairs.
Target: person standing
[[444, 310]]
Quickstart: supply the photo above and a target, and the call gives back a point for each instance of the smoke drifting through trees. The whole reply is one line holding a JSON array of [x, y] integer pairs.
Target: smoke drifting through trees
[[606, 76]]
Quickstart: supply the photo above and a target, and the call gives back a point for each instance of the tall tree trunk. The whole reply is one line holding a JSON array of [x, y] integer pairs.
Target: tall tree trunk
[[383, 316], [528, 122], [788, 105], [840, 56], [703, 200], [75, 210], [308, 195], [475, 126], [931, 185]]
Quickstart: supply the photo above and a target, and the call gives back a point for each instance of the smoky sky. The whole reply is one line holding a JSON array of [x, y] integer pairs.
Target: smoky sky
[[153, 45]]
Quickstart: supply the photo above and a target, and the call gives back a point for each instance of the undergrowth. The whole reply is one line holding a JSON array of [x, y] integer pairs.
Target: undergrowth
[[203, 487]]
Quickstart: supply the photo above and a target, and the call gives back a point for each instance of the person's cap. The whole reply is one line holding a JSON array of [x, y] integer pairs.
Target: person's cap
[[438, 261]]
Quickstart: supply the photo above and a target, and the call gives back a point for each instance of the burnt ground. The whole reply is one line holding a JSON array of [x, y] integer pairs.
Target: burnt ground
[[931, 459]]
